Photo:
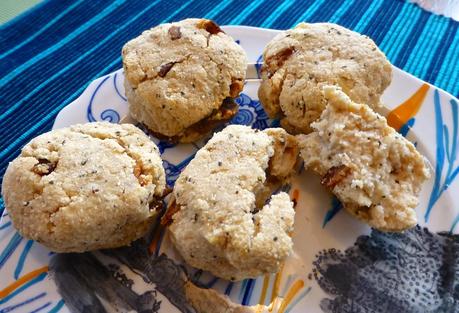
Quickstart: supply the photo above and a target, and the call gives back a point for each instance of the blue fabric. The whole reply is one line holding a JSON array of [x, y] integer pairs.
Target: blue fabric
[[50, 53]]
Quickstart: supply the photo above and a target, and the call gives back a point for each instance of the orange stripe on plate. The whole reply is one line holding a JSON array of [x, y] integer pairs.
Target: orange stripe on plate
[[291, 294], [405, 111], [264, 291], [155, 240], [276, 285], [21, 281]]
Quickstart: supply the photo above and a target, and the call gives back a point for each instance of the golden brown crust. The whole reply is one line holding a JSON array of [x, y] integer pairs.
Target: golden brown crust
[[224, 114]]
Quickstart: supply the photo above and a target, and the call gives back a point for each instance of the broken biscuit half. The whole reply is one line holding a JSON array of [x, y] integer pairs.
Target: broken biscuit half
[[228, 213], [374, 171]]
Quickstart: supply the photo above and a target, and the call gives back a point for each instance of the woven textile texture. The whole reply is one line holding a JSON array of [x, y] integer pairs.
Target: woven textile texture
[[49, 54]]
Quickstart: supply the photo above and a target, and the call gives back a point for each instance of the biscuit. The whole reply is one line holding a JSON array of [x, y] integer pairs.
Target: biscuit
[[181, 78], [227, 220], [210, 301], [299, 61], [374, 171], [86, 187]]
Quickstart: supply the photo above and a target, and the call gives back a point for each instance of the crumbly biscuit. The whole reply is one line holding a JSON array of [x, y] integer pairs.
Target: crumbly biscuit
[[374, 171], [227, 220], [178, 75], [210, 301], [86, 187], [299, 61]]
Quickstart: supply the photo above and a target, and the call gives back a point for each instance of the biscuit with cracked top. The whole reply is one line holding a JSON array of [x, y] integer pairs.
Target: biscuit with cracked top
[[226, 215]]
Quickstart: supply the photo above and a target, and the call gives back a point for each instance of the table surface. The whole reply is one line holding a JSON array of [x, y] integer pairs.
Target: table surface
[[450, 8]]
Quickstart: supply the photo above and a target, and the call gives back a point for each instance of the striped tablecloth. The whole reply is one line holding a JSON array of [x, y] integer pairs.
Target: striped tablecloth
[[49, 54]]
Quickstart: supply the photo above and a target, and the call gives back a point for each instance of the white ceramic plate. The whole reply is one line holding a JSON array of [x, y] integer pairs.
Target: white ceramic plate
[[407, 272]]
